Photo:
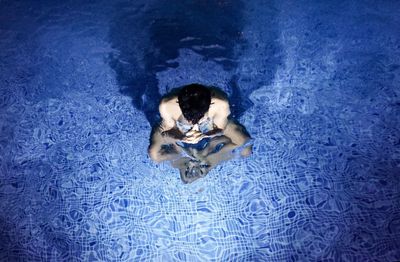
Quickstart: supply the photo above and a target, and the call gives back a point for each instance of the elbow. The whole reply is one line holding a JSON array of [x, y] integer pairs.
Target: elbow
[[153, 153], [246, 152]]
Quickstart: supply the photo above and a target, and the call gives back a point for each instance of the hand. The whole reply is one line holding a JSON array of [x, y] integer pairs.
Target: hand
[[193, 137], [214, 132], [173, 133]]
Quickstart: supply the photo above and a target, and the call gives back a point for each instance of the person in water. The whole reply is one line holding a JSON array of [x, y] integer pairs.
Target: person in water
[[195, 122]]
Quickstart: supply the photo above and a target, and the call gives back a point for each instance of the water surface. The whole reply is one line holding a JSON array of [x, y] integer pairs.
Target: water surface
[[315, 83]]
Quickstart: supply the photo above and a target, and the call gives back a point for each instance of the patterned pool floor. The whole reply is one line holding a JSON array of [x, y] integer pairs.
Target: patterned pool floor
[[316, 83]]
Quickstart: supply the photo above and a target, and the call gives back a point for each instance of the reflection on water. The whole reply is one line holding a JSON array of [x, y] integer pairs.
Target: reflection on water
[[199, 161]]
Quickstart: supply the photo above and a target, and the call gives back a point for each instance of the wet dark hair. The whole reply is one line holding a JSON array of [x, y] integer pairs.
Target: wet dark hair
[[194, 101]]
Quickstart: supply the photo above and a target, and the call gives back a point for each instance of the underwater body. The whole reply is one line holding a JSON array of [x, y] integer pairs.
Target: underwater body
[[315, 83]]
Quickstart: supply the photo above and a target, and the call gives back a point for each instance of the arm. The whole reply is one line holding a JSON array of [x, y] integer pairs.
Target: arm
[[163, 141], [220, 148], [163, 147], [173, 133], [219, 112], [239, 136], [170, 111]]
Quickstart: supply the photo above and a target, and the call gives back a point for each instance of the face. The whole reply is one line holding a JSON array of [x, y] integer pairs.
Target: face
[[194, 170]]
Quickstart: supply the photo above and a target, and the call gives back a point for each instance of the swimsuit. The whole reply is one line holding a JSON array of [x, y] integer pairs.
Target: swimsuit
[[198, 146]]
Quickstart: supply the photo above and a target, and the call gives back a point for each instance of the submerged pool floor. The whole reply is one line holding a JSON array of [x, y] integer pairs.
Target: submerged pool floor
[[316, 83]]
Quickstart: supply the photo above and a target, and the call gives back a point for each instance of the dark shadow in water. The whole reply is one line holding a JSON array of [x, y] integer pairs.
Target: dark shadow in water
[[147, 38], [10, 248]]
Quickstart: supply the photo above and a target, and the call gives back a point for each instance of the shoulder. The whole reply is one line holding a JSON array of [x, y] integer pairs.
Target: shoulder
[[219, 94], [219, 99], [219, 103], [169, 106], [169, 101], [219, 106]]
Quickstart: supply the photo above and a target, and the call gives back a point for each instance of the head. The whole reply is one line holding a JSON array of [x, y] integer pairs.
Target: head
[[194, 101], [191, 170]]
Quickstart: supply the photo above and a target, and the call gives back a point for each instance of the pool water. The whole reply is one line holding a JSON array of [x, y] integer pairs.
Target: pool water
[[316, 83]]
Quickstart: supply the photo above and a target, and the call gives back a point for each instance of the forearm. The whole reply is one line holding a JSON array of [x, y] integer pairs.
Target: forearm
[[225, 153], [166, 156], [214, 131], [173, 134], [163, 147]]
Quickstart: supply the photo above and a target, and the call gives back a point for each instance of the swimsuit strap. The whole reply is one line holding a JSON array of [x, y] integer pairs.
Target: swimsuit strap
[[206, 125]]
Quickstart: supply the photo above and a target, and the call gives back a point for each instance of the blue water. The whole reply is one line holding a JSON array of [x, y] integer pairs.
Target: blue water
[[316, 83]]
